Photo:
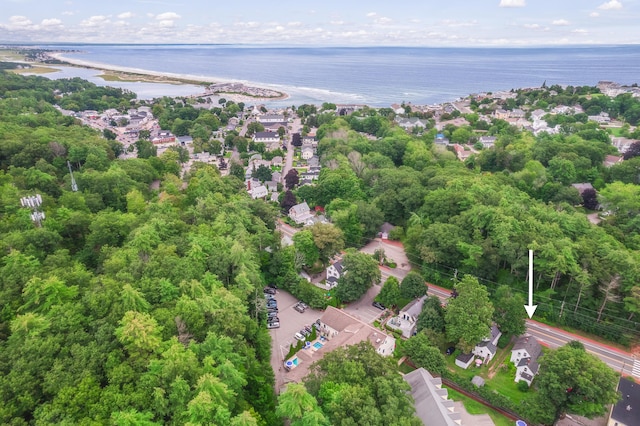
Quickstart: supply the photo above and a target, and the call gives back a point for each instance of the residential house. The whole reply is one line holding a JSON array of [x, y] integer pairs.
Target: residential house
[[461, 153], [398, 109], [272, 119], [487, 141], [626, 412], [524, 355], [276, 161], [276, 176], [602, 118], [310, 140], [385, 229], [431, 400], [488, 347], [517, 113], [334, 272], [272, 186], [411, 123], [465, 360], [581, 187], [335, 324], [538, 114], [610, 160], [501, 114], [185, 140], [258, 192], [270, 139], [163, 137], [441, 140], [406, 321], [622, 144], [300, 213], [307, 153], [314, 162], [274, 197]]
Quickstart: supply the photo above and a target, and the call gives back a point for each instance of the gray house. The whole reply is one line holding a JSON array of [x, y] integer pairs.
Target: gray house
[[432, 402]]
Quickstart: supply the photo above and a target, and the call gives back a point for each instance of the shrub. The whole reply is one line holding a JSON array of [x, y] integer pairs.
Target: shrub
[[523, 386], [503, 341]]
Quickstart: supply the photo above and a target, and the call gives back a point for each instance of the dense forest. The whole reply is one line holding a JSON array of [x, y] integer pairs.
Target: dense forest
[[128, 306]]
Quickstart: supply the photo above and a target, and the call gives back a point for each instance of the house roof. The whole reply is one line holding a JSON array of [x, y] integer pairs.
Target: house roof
[[264, 135], [528, 343], [581, 187], [336, 319], [386, 227], [492, 348], [414, 307], [431, 401], [627, 410], [465, 358], [300, 208], [532, 364], [338, 266]]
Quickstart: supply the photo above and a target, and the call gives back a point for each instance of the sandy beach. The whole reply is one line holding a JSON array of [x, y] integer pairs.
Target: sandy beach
[[113, 72]]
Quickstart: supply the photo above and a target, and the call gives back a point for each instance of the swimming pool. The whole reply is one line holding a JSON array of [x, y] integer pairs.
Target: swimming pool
[[317, 345]]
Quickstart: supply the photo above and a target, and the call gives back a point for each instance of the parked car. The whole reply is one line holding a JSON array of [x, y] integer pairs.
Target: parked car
[[379, 305], [269, 290], [275, 324], [272, 314], [269, 296], [298, 308], [450, 350], [272, 309], [273, 319], [304, 305], [299, 336], [308, 329], [272, 303], [305, 332]]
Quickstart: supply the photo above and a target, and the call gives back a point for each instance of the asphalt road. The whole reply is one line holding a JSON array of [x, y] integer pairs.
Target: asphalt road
[[552, 337]]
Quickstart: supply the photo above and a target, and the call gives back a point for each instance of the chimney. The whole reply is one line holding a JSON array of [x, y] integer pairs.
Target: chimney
[[249, 185]]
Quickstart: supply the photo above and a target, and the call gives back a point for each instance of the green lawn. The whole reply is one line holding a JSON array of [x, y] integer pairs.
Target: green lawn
[[474, 407], [615, 131]]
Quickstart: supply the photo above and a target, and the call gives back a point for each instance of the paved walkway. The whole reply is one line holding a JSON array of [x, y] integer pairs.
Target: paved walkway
[[472, 419]]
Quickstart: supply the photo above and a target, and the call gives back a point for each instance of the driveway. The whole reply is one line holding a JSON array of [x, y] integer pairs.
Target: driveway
[[362, 308], [291, 321]]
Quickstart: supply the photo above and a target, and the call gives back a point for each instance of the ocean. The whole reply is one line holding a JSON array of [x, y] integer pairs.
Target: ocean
[[376, 76]]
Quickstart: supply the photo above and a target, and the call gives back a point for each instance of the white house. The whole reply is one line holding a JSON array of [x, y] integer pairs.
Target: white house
[[258, 192], [334, 272], [406, 321], [487, 141], [464, 360], [300, 213], [307, 153], [432, 402], [271, 119], [489, 346], [270, 139], [524, 355]]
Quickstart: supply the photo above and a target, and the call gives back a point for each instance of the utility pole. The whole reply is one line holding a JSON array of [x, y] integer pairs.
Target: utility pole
[[74, 185]]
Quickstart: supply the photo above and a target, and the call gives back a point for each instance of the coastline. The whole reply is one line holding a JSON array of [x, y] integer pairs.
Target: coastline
[[130, 74]]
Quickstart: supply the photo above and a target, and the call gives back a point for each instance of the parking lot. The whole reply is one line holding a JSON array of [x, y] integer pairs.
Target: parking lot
[[291, 321]]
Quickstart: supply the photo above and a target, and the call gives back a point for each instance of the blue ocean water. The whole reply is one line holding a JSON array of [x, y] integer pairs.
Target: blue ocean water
[[377, 76]]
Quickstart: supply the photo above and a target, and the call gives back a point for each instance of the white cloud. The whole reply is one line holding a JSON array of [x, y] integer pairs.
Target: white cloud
[[580, 31], [51, 22], [167, 16], [452, 23], [371, 14], [382, 20], [166, 23], [561, 22], [67, 13], [610, 5], [337, 22], [95, 21], [532, 26], [125, 15], [512, 3], [295, 24], [20, 21], [594, 14]]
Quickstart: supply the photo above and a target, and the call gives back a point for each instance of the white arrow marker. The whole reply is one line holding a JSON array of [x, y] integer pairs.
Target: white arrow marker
[[530, 308]]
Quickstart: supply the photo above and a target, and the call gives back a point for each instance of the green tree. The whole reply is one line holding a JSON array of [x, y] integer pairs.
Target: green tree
[[509, 313], [328, 238], [262, 173], [295, 403], [389, 295], [359, 272], [139, 333], [306, 248], [468, 316], [413, 285], [574, 381], [432, 316], [425, 354]]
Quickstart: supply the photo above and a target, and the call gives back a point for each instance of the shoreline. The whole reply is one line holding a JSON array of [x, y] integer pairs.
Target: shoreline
[[130, 74]]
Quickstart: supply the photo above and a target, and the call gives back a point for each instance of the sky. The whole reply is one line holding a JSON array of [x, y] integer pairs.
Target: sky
[[472, 23]]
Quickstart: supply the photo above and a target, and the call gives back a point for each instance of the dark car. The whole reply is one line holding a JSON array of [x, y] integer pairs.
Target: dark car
[[272, 302], [450, 350], [308, 328], [272, 309], [305, 332], [379, 305], [269, 290], [299, 308]]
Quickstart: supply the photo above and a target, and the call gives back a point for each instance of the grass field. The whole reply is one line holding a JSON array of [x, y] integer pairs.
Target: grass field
[[34, 70], [474, 407]]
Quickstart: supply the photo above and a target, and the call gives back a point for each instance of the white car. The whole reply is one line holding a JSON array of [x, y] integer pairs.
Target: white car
[[299, 337]]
